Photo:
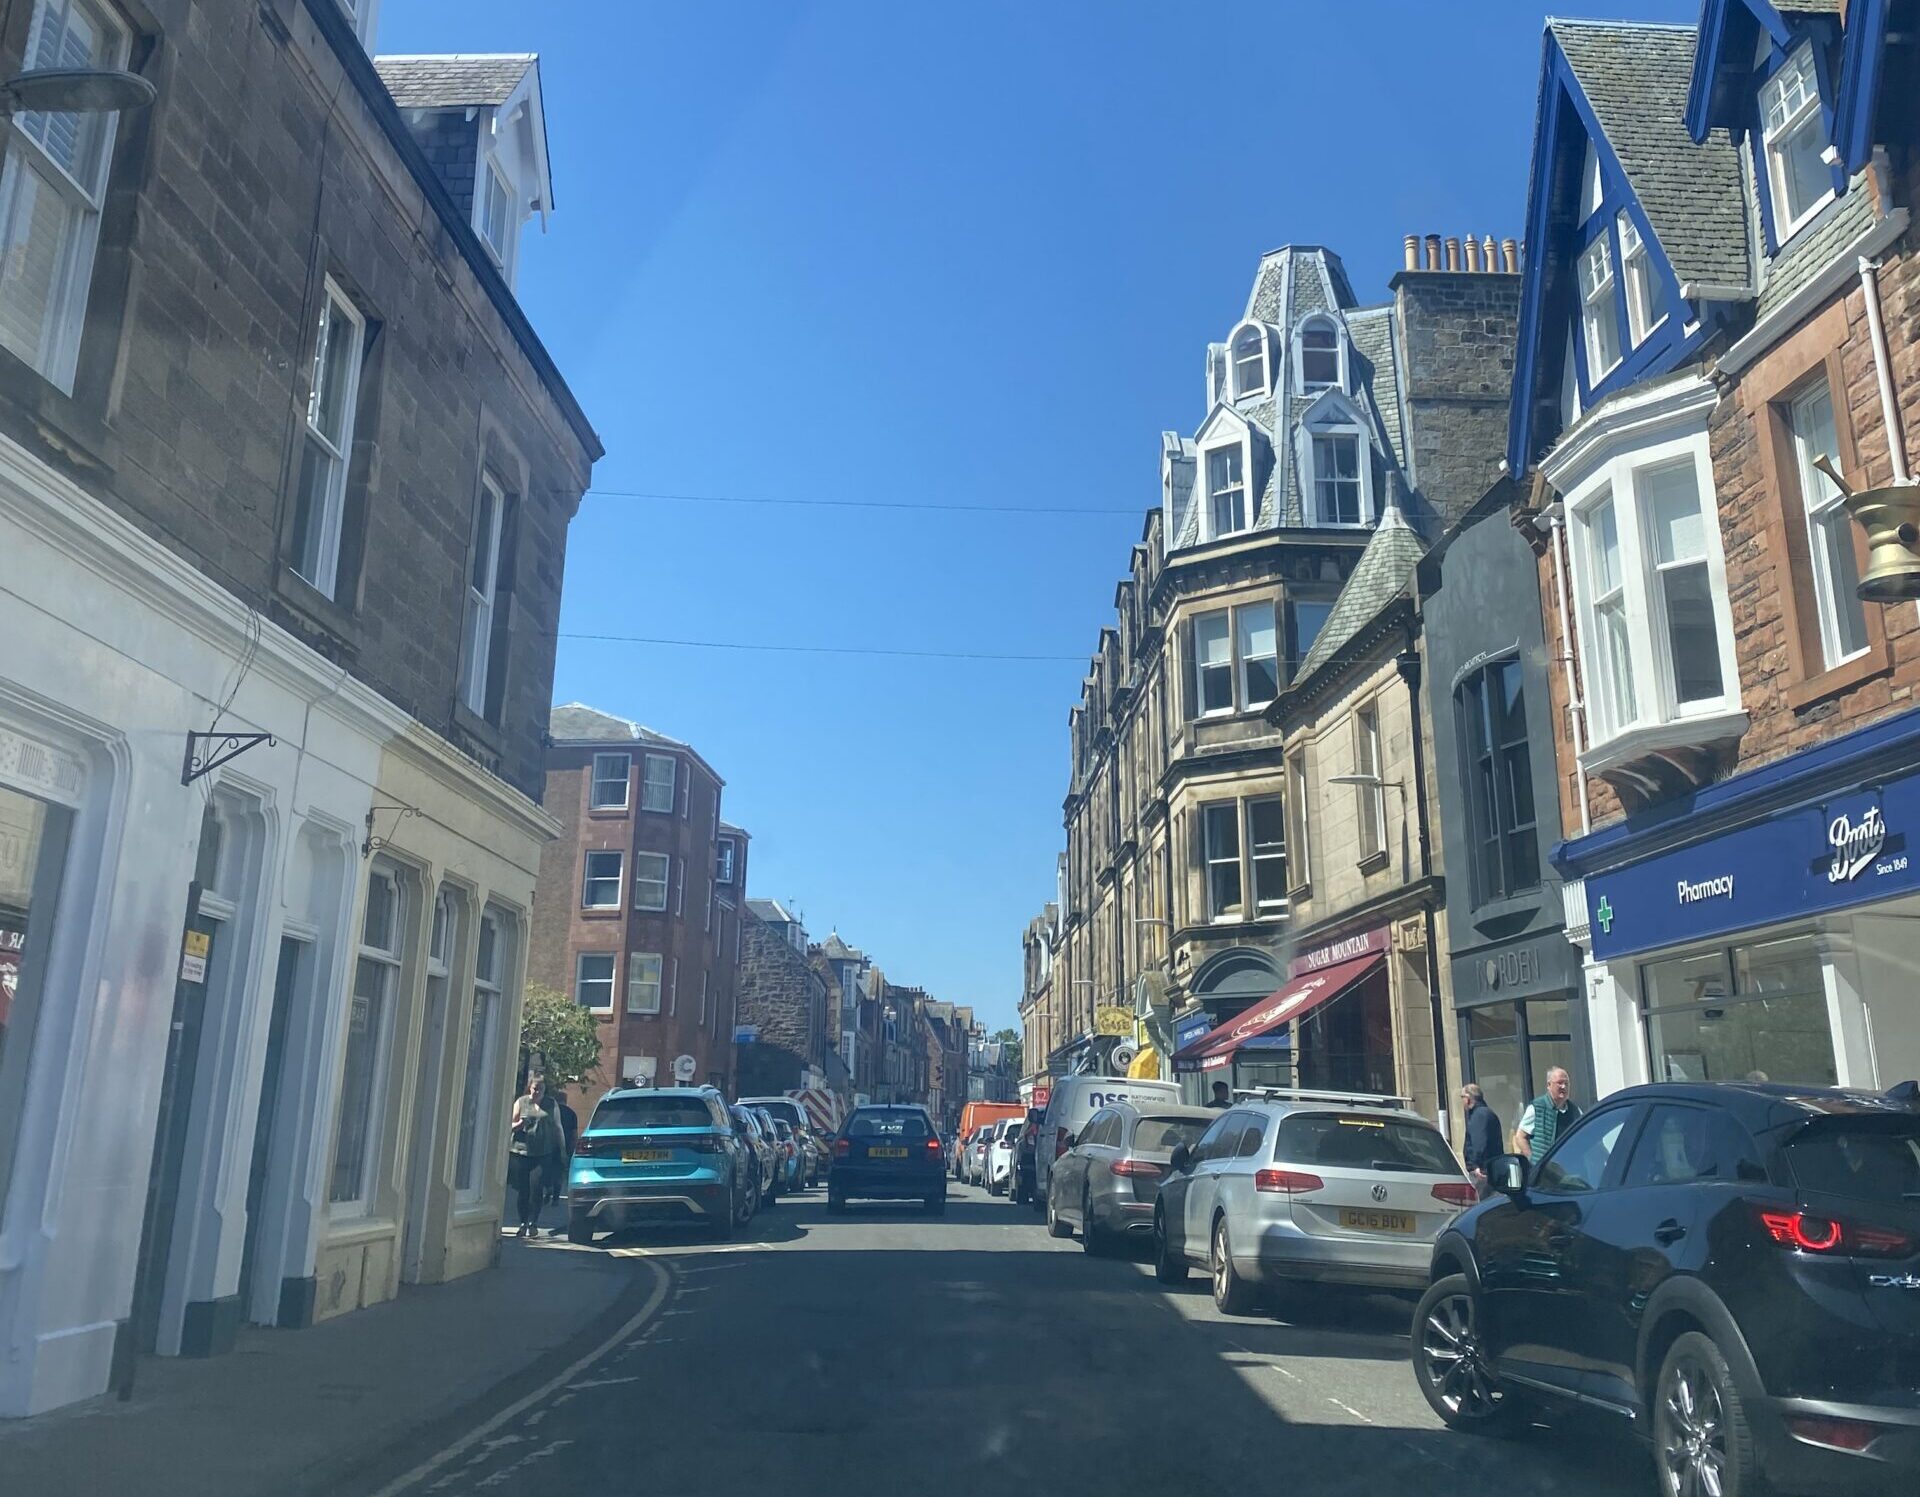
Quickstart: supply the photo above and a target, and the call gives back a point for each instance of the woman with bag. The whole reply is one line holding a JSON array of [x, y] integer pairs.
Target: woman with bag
[[533, 1150]]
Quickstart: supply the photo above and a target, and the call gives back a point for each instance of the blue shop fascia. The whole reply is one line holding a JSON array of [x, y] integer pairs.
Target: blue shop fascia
[[1765, 927]]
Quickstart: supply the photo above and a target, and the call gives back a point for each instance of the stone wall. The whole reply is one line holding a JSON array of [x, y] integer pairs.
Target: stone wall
[[782, 996], [1457, 334]]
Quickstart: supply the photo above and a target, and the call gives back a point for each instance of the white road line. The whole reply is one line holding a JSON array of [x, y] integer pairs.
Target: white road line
[[520, 1405]]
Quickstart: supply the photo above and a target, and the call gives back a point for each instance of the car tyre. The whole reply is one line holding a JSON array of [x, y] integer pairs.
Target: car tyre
[[1055, 1226], [1702, 1440], [937, 1205], [836, 1203], [580, 1228], [1449, 1366], [1232, 1295], [1167, 1268], [1092, 1240]]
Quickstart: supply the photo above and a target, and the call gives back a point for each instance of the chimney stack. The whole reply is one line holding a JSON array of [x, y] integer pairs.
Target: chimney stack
[[1413, 251], [1453, 252], [1510, 254], [1473, 255], [1433, 252]]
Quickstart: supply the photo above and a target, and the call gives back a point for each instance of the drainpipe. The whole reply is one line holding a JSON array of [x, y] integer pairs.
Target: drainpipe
[[1576, 704], [1883, 370], [1409, 665]]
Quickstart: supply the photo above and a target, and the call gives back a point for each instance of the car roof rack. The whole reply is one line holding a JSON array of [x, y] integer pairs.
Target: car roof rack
[[1304, 1094]]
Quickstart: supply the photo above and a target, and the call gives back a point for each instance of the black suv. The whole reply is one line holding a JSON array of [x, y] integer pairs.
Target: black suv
[[1734, 1269]]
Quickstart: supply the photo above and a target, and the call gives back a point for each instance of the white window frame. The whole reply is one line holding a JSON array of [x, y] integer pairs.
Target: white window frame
[[493, 179], [679, 887], [703, 995], [1617, 696], [1300, 805], [588, 877], [1255, 858], [1614, 478], [1369, 759], [472, 1144], [388, 958], [487, 554], [726, 860], [639, 981], [1638, 272], [1799, 70], [82, 196], [1209, 496], [1319, 321], [1593, 191], [1598, 291], [1821, 499], [1202, 666], [580, 959], [641, 882], [1212, 857], [649, 784], [1363, 457], [623, 777], [337, 313], [1237, 360], [1243, 656]]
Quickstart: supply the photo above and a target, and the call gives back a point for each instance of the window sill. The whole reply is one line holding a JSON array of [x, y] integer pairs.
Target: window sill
[[50, 422], [1875, 660], [349, 1225], [1373, 862], [599, 911], [609, 813], [1646, 740], [649, 909], [477, 727], [314, 613]]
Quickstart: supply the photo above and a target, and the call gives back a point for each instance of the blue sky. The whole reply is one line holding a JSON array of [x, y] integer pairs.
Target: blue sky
[[935, 254]]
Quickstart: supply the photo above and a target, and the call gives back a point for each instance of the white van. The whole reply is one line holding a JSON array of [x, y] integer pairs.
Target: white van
[[1077, 1098]]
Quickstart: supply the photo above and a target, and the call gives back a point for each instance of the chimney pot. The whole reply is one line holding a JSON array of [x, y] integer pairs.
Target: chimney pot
[[1490, 255], [1413, 251], [1453, 252], [1510, 254], [1473, 255], [1433, 252]]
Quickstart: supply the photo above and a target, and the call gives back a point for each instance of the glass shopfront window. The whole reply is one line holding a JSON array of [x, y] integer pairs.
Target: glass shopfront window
[[1510, 1047], [33, 841], [1749, 1013]]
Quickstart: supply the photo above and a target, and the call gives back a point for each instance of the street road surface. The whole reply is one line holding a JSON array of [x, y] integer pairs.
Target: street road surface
[[887, 1351]]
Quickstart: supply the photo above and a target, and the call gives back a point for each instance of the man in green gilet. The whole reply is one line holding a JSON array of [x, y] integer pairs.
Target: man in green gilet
[[1548, 1116]]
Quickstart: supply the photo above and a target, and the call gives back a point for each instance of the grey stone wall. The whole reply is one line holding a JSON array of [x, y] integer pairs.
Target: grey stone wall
[[1457, 334], [780, 994]]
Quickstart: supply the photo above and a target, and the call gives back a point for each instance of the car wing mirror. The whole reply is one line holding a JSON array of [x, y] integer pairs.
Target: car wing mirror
[[1507, 1173], [1181, 1157]]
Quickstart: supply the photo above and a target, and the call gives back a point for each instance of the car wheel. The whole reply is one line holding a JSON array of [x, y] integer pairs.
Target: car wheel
[[836, 1203], [1167, 1268], [1056, 1227], [1232, 1294], [1702, 1442], [580, 1228], [1449, 1365], [937, 1205], [1092, 1239]]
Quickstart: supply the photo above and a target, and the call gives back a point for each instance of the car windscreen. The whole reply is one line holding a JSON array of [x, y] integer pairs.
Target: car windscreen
[[1862, 1158], [1162, 1135], [1345, 1141], [652, 1112], [908, 1125]]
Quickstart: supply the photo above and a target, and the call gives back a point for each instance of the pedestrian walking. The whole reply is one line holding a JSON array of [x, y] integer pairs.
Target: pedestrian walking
[[1547, 1116], [535, 1145], [1483, 1136], [569, 1131]]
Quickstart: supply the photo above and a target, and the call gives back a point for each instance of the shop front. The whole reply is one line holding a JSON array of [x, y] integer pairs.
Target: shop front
[[1519, 1015], [1779, 940]]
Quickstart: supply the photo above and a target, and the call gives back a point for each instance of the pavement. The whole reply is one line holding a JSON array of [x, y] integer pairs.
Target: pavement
[[302, 1413]]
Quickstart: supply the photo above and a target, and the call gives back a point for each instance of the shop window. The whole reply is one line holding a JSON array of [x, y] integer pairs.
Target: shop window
[[33, 843], [477, 1103], [1493, 1051], [1499, 770], [369, 1021], [1755, 1013]]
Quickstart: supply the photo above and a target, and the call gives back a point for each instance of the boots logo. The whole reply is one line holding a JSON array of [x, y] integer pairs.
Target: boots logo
[[1854, 844]]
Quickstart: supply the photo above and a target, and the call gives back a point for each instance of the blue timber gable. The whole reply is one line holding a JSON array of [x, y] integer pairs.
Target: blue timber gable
[[1618, 88], [1874, 98]]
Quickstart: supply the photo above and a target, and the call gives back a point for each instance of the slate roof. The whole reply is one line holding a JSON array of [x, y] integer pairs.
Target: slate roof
[[839, 950], [454, 79], [1635, 77], [1378, 578], [771, 910], [576, 722]]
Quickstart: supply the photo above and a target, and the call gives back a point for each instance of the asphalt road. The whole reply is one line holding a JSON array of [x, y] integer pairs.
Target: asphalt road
[[885, 1351]]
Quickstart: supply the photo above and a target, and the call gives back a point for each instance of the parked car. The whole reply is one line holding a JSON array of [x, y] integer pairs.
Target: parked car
[[659, 1155], [761, 1143], [1732, 1269], [1106, 1184], [985, 1115], [812, 1147], [1005, 1137], [1323, 1187], [887, 1153], [1074, 1100], [793, 1175], [814, 1150], [1024, 1192], [976, 1161], [781, 1162]]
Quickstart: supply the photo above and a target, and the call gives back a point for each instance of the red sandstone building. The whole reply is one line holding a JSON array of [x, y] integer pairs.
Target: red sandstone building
[[640, 901]]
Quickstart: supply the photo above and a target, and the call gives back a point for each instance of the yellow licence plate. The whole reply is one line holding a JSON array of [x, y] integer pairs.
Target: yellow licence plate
[[1376, 1221], [645, 1156], [886, 1153]]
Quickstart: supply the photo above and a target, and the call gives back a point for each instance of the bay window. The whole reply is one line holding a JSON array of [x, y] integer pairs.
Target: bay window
[[1236, 659], [1259, 656], [1267, 844], [1220, 834], [656, 782], [650, 871], [1213, 659], [643, 983], [1669, 496]]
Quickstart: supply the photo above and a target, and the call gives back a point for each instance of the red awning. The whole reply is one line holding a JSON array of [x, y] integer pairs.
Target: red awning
[[1298, 998]]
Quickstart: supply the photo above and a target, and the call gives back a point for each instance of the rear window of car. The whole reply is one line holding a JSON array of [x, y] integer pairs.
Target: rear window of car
[[887, 1125], [1340, 1141], [787, 1112], [1864, 1159], [1162, 1135], [652, 1112]]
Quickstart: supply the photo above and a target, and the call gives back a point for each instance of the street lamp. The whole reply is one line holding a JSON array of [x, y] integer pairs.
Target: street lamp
[[1374, 782], [73, 91]]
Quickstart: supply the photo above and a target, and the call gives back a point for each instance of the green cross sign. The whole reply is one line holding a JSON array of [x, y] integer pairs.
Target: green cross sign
[[1603, 912]]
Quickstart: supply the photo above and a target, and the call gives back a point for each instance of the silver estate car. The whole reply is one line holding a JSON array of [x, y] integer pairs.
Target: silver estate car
[[1107, 1182], [1324, 1187]]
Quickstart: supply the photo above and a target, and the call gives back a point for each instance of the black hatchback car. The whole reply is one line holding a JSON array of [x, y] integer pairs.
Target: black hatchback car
[[1732, 1269], [888, 1154]]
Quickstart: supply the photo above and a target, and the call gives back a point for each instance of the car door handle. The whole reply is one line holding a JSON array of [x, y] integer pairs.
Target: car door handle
[[1669, 1231]]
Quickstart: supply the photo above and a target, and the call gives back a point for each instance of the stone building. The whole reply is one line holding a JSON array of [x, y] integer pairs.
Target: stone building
[[1726, 292], [642, 900], [283, 500], [785, 1002], [1039, 1021]]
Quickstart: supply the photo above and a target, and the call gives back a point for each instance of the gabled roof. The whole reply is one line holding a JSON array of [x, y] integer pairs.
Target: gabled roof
[[1635, 79], [576, 722], [454, 79], [1379, 577], [838, 950], [773, 911]]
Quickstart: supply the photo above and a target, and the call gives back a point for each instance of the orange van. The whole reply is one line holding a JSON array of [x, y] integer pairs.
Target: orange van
[[978, 1115]]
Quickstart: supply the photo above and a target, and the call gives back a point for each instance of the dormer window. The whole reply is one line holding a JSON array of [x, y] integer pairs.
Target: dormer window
[[1794, 140], [495, 217], [1599, 319], [1249, 362], [1337, 489], [1226, 490], [1320, 354], [1646, 308]]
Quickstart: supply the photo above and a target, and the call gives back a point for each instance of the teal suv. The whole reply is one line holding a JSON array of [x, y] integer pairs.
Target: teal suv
[[659, 1155]]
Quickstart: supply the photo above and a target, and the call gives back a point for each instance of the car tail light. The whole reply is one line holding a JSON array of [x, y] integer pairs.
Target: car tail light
[[933, 1146], [1136, 1167], [841, 1148], [1826, 1234], [587, 1146], [1456, 1193], [1287, 1182], [1062, 1141], [706, 1145], [1836, 1434]]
